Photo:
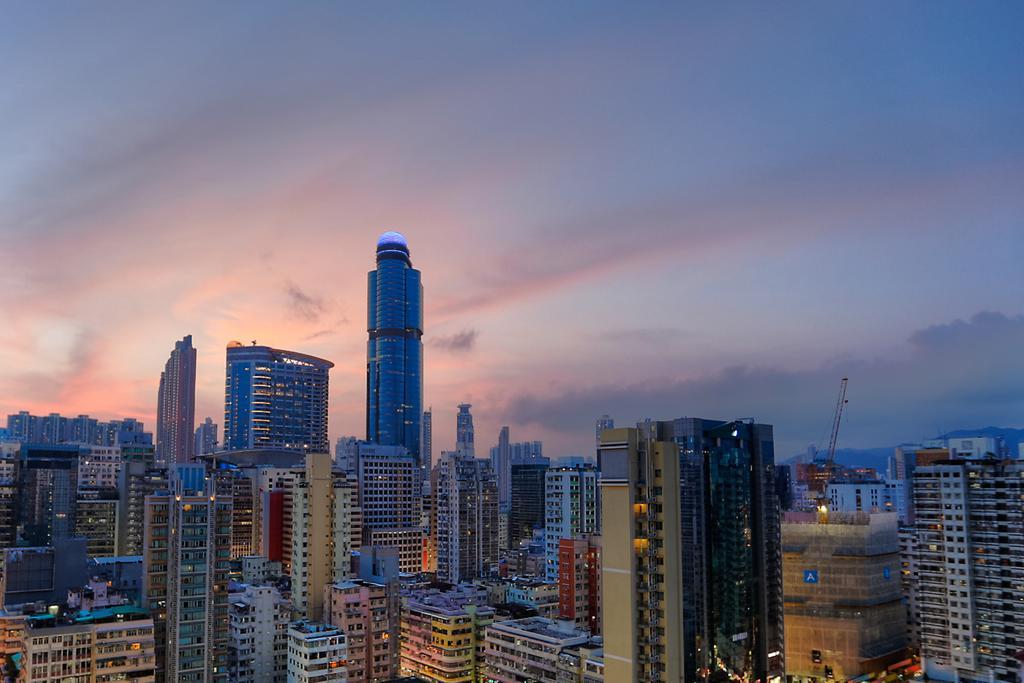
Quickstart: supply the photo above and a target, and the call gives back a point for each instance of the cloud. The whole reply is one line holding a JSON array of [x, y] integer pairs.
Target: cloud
[[302, 304], [960, 374], [460, 342]]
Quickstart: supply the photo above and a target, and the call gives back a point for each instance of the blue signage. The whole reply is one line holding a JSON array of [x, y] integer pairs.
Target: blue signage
[[810, 576], [886, 574]]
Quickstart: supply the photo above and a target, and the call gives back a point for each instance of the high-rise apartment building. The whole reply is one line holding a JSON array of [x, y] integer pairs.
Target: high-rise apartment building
[[186, 560], [579, 582], [206, 437], [367, 613], [176, 405], [394, 350], [968, 589], [275, 399], [391, 500], [570, 510], [732, 555], [258, 620], [467, 518], [641, 573], [464, 432], [443, 637], [527, 490], [55, 428], [321, 512], [316, 653], [139, 477], [529, 649], [345, 452], [96, 520], [844, 611], [9, 457]]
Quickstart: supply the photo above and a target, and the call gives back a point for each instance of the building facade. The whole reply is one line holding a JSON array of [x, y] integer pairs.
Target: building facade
[[367, 613], [205, 440], [528, 649], [467, 518], [969, 581], [186, 560], [394, 350], [443, 637], [258, 619], [391, 500], [845, 615], [641, 577], [275, 399], [579, 582], [316, 653], [527, 490], [570, 510], [176, 405]]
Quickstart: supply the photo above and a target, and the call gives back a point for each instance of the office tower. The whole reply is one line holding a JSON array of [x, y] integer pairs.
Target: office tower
[[464, 434], [391, 500], [784, 486], [529, 649], [844, 611], [427, 442], [579, 582], [9, 456], [394, 350], [185, 576], [345, 451], [241, 487], [316, 653], [602, 423], [48, 489], [641, 577], [176, 406], [501, 463], [108, 644], [321, 517], [467, 518], [732, 559], [527, 490], [367, 613], [275, 399], [139, 477], [258, 620], [206, 437], [443, 636], [96, 520], [968, 589], [570, 510]]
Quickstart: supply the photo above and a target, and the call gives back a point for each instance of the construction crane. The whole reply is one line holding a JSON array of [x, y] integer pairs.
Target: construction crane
[[836, 419]]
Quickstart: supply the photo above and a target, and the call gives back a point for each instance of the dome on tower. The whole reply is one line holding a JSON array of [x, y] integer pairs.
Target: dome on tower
[[392, 239]]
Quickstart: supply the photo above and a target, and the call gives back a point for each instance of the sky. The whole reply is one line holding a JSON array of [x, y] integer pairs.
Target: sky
[[640, 209]]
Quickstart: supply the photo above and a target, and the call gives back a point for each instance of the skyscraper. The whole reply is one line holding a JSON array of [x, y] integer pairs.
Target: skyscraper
[[206, 437], [528, 493], [641, 577], [464, 431], [427, 443], [185, 576], [394, 350], [275, 399], [570, 510], [176, 405], [47, 491], [391, 499], [467, 518], [967, 590], [501, 462], [732, 555]]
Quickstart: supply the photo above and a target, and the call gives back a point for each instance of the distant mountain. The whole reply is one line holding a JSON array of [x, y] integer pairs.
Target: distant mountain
[[879, 457]]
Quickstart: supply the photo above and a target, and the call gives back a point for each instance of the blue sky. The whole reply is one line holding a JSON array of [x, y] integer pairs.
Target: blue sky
[[645, 209]]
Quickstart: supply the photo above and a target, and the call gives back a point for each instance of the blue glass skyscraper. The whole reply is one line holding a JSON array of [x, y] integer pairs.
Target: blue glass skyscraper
[[394, 350], [275, 399]]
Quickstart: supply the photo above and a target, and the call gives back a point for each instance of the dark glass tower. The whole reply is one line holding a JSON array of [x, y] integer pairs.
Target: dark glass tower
[[394, 351]]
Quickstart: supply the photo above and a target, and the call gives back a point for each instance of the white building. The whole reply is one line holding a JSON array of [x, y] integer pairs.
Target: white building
[[968, 586], [973, 446], [99, 467], [258, 635], [316, 653], [867, 496], [571, 509], [528, 649]]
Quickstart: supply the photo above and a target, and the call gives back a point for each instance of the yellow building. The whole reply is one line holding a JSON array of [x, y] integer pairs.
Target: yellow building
[[843, 600], [641, 584], [442, 637]]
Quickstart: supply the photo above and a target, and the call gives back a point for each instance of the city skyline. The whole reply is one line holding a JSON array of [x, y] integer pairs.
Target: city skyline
[[809, 209]]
